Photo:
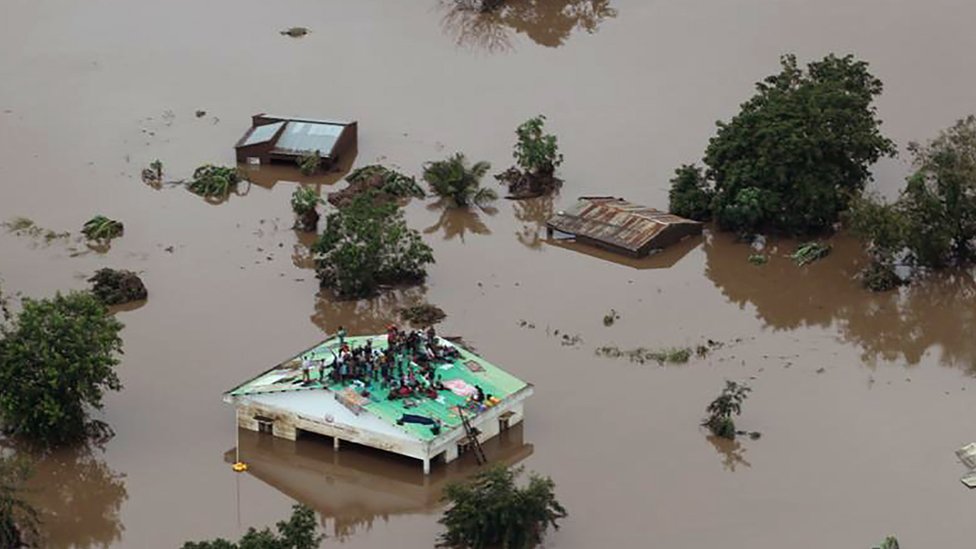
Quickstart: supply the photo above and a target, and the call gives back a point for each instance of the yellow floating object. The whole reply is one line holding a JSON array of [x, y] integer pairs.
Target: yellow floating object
[[239, 467]]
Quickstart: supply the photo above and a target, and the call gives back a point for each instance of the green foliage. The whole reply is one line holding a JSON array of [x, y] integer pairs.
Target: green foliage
[[18, 519], [114, 287], [491, 510], [454, 180], [890, 542], [758, 259], [304, 200], [368, 244], [298, 532], [57, 358], [809, 252], [690, 195], [309, 164], [933, 223], [721, 410], [536, 152], [798, 151], [214, 181], [102, 228], [157, 167], [392, 183]]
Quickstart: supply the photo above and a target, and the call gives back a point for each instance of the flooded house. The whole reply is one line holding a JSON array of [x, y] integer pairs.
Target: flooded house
[[285, 139], [285, 402], [620, 226]]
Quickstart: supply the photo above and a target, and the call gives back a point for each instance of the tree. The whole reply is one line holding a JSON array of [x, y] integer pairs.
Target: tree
[[57, 358], [721, 410], [455, 180], [18, 519], [214, 182], [298, 532], [536, 152], [690, 195], [367, 244], [890, 542], [799, 150], [303, 203], [492, 510], [932, 225]]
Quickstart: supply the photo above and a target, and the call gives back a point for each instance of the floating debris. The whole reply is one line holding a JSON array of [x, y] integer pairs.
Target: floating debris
[[422, 315], [758, 259], [642, 355], [611, 317], [809, 252], [295, 32]]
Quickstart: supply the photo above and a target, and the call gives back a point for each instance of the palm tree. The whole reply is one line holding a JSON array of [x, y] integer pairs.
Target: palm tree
[[453, 179]]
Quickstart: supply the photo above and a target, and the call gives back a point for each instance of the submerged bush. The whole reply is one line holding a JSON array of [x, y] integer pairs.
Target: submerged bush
[[423, 315], [115, 287], [491, 510], [809, 252], [721, 410], [102, 228], [303, 202], [368, 244], [214, 181], [309, 164]]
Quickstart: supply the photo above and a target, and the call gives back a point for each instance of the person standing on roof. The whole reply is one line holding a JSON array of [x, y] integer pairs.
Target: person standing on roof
[[341, 332]]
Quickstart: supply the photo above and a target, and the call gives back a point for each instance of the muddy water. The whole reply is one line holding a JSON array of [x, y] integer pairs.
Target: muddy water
[[861, 399]]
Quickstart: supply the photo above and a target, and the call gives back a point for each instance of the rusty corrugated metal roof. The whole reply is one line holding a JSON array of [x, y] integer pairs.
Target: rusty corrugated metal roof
[[615, 221]]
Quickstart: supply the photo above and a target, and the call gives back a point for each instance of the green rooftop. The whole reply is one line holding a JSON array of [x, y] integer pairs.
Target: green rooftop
[[460, 374]]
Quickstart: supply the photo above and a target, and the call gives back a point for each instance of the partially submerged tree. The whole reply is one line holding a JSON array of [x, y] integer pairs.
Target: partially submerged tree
[[537, 156], [115, 287], [798, 151], [890, 542], [298, 532], [102, 229], [57, 359], [491, 510], [18, 519], [721, 410], [422, 315], [368, 244], [690, 195], [932, 225], [455, 180], [303, 202], [214, 182], [386, 184]]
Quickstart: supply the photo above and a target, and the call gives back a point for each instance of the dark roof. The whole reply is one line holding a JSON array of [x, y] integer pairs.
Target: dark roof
[[617, 222]]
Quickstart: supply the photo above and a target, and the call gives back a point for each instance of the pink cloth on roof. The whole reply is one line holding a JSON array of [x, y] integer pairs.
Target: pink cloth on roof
[[460, 387]]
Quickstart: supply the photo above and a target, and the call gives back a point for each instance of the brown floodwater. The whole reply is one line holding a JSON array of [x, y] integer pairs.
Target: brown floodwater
[[861, 399]]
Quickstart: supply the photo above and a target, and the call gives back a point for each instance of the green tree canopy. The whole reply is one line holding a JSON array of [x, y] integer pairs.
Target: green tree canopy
[[57, 358], [932, 225], [493, 511], [690, 195], [799, 150], [367, 244], [455, 180], [298, 532]]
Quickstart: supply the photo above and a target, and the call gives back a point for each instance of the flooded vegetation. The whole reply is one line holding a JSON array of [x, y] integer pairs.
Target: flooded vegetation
[[861, 396]]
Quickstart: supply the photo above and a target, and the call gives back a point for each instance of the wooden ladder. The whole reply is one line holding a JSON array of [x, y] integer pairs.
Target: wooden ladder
[[479, 452]]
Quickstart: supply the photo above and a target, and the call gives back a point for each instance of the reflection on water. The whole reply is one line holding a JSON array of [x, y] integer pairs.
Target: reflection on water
[[731, 451], [533, 213], [546, 22], [355, 485], [456, 222], [937, 313], [79, 499], [364, 316]]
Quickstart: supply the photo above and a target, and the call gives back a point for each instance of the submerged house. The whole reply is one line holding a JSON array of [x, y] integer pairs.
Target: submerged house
[[620, 226], [282, 139], [283, 403]]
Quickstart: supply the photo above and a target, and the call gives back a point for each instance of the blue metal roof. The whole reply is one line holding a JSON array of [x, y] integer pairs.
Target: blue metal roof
[[261, 134], [306, 137]]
